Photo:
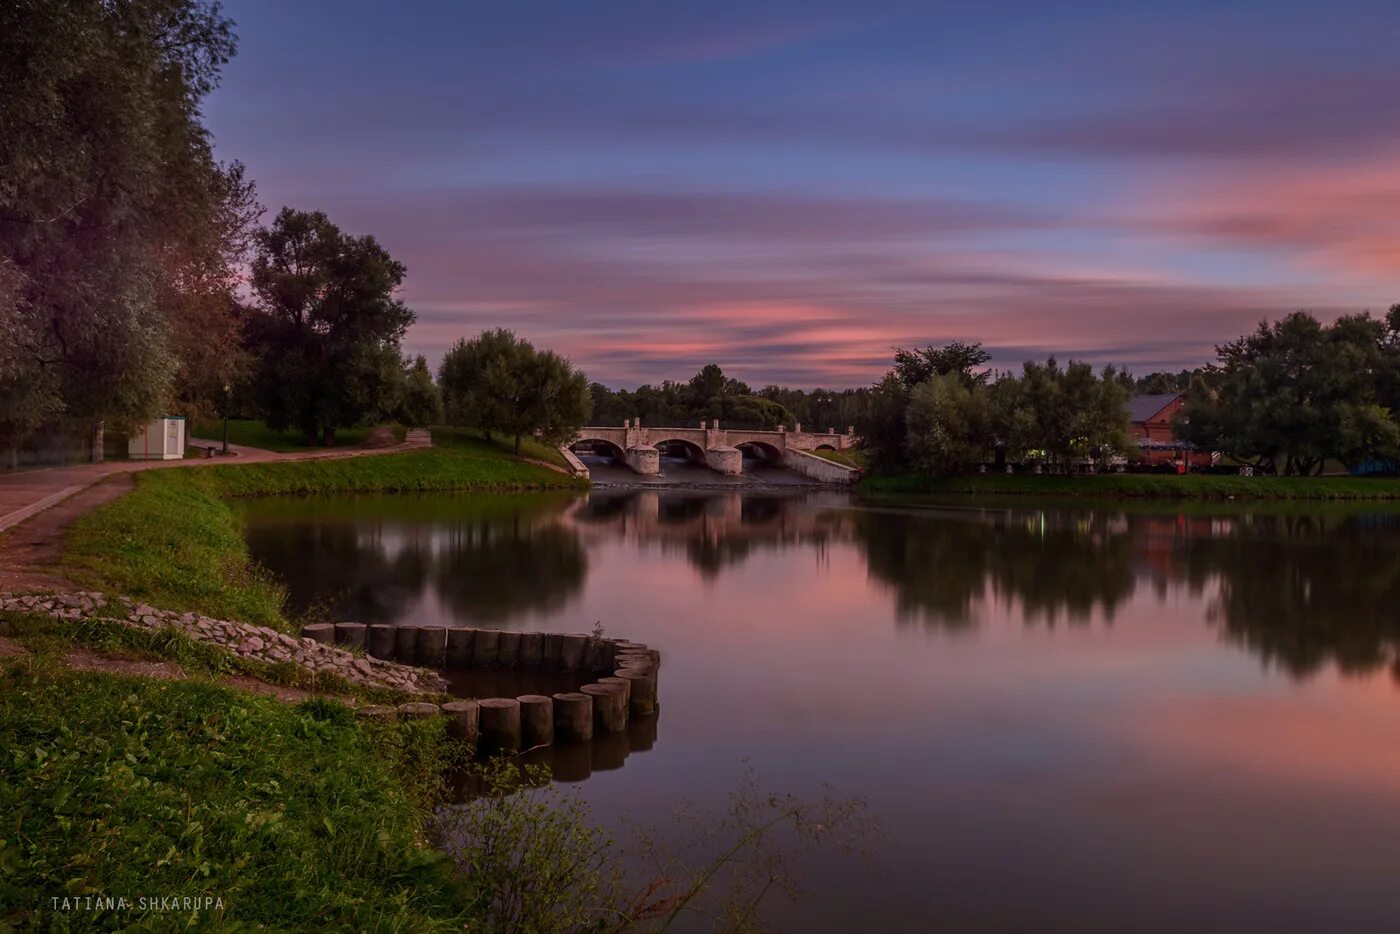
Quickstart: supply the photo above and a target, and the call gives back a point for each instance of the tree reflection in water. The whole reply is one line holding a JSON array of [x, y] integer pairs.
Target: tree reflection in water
[[1299, 587]]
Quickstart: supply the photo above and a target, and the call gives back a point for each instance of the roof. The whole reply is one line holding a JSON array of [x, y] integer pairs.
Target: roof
[[1141, 408]]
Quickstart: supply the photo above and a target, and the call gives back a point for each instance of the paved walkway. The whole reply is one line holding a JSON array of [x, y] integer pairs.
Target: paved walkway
[[26, 493]]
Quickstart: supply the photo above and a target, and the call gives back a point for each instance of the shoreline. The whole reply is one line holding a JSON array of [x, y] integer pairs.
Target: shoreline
[[1140, 486]]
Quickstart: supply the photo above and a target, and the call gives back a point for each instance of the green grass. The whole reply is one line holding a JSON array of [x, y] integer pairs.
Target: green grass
[[851, 458], [297, 817], [176, 541], [1164, 486], [529, 447], [255, 434]]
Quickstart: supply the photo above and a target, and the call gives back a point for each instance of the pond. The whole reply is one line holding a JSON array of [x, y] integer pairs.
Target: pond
[[1067, 716]]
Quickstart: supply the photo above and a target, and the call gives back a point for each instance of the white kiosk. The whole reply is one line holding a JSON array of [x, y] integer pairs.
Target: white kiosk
[[161, 440]]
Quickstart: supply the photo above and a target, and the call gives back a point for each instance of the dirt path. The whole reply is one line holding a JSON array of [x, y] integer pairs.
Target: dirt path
[[37, 506]]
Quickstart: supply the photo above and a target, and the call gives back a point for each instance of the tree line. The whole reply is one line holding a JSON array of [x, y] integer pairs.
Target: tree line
[[137, 277]]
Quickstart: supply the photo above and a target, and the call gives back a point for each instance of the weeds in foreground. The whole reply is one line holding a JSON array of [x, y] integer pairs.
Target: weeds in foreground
[[540, 865]]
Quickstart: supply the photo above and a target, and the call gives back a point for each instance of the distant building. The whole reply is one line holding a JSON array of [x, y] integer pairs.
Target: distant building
[[1151, 426]]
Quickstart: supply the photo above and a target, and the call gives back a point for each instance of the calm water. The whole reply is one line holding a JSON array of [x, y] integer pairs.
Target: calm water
[[1068, 717]]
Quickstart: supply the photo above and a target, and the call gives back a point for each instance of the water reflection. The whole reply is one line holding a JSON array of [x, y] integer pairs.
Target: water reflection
[[1298, 588]]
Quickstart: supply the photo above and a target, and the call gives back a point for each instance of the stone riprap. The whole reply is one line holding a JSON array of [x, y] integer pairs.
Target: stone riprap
[[245, 640]]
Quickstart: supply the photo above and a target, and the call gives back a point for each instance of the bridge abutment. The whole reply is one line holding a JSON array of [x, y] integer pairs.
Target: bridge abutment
[[644, 459], [726, 460]]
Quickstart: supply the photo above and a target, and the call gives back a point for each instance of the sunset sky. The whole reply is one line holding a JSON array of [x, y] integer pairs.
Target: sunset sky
[[791, 189]]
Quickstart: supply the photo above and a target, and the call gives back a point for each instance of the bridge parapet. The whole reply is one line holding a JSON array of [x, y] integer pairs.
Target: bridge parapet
[[636, 444]]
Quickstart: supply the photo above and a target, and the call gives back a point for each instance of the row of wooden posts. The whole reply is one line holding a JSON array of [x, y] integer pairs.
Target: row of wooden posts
[[511, 724]]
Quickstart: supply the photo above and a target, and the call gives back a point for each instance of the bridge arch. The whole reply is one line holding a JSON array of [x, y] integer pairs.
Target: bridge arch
[[761, 450], [824, 447], [599, 445], [677, 447]]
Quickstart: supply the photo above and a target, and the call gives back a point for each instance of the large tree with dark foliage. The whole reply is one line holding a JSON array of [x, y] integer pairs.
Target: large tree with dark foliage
[[119, 231], [328, 327], [1296, 393]]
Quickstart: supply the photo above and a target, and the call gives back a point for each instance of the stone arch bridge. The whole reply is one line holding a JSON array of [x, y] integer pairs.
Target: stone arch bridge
[[723, 449]]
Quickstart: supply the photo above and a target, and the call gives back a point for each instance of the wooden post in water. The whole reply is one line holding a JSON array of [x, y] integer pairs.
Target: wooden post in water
[[380, 641], [622, 683], [459, 647], [573, 717], [486, 645], [406, 645], [500, 725], [350, 635], [642, 701], [323, 633], [536, 720], [463, 720], [432, 646], [508, 650], [571, 651], [532, 650], [553, 645], [609, 707]]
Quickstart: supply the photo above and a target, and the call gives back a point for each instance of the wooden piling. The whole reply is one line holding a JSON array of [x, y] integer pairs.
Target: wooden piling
[[380, 641], [350, 635], [536, 720], [323, 633], [459, 647], [532, 650], [622, 683], [599, 655], [463, 720], [508, 650], [486, 648], [418, 711], [609, 707], [573, 717], [499, 721], [406, 645], [553, 643], [571, 651], [642, 701], [432, 646]]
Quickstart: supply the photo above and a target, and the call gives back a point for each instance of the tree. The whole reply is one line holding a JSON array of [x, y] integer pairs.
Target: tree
[[1295, 393], [1060, 414], [913, 367], [118, 228], [421, 404], [497, 382], [327, 328], [949, 425]]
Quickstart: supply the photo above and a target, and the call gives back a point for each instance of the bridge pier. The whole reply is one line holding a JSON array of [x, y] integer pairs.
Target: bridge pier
[[644, 459], [726, 460]]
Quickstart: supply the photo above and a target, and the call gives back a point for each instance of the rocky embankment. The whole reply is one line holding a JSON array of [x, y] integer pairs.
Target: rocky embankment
[[257, 643]]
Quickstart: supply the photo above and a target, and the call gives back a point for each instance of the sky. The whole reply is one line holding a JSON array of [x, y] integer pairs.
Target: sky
[[792, 189]]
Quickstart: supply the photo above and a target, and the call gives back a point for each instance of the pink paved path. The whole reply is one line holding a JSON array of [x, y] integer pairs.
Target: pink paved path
[[24, 493]]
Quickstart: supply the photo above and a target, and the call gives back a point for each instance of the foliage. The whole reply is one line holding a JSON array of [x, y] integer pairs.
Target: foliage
[[118, 229], [1295, 393], [949, 429], [711, 395], [1061, 414], [327, 328], [175, 541], [421, 404], [918, 366], [532, 854], [1192, 486], [499, 383], [254, 433], [295, 817]]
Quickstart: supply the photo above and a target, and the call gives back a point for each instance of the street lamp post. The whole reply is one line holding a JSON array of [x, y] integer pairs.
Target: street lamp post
[[228, 395]]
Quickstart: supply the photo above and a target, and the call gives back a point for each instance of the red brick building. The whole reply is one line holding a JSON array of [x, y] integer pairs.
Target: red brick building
[[1150, 424]]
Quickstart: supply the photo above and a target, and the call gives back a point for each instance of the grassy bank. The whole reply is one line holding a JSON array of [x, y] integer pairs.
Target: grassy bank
[[1156, 486], [255, 434], [175, 541], [294, 816]]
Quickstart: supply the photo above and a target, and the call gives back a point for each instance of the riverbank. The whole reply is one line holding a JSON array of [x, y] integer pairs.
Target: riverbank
[[156, 777], [176, 541], [1145, 486], [155, 766]]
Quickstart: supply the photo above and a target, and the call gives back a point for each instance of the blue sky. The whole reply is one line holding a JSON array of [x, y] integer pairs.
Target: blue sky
[[791, 189]]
